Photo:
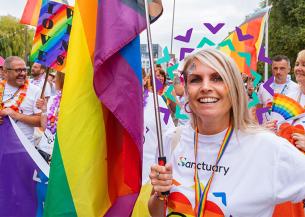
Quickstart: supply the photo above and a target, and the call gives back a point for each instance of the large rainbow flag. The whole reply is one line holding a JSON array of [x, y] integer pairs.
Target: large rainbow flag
[[96, 165], [253, 25]]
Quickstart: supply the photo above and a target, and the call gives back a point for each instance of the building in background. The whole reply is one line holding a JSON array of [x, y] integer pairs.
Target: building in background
[[157, 53]]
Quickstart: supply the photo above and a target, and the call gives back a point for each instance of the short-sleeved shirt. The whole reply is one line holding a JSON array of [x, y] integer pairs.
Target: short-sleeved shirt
[[39, 83], [27, 107], [257, 171]]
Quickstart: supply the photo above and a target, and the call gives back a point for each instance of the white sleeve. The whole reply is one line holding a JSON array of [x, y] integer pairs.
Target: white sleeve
[[289, 174], [47, 92], [167, 140], [36, 97], [260, 94]]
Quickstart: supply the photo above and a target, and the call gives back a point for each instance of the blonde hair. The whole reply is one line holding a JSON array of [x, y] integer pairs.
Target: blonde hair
[[231, 76], [301, 54]]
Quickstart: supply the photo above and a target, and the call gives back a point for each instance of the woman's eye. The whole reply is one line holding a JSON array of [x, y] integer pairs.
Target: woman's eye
[[194, 80], [217, 78]]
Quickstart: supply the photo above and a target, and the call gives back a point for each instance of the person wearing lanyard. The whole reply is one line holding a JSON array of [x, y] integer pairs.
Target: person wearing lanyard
[[223, 163], [282, 84]]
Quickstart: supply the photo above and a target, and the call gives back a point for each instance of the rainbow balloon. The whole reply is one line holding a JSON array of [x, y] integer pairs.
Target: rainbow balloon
[[286, 106]]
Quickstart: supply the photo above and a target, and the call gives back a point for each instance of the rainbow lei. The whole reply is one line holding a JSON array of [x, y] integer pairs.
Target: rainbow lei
[[17, 99], [53, 113]]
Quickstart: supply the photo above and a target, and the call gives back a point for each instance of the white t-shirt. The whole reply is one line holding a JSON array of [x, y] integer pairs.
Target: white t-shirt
[[256, 172], [266, 98], [39, 83], [46, 143], [150, 134], [27, 107]]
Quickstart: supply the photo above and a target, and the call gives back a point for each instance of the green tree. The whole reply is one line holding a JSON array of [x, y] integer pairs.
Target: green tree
[[287, 28], [15, 38]]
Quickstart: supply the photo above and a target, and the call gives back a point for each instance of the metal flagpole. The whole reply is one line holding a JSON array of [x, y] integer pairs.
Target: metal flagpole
[[266, 44], [173, 22], [162, 158]]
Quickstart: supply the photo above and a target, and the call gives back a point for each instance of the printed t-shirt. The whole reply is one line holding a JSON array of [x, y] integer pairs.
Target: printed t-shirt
[[256, 172]]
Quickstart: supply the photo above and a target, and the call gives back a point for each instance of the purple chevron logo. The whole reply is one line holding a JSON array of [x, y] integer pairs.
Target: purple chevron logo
[[183, 51], [262, 57], [267, 85], [187, 36], [241, 36], [260, 112], [166, 114], [213, 29]]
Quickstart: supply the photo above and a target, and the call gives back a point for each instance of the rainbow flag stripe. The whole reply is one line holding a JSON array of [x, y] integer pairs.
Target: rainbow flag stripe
[[253, 25], [97, 158], [31, 12], [286, 106]]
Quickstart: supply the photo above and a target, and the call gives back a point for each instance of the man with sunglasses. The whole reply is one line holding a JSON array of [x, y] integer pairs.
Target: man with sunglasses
[[18, 97]]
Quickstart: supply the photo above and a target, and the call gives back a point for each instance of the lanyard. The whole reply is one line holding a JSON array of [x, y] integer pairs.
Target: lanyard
[[201, 194]]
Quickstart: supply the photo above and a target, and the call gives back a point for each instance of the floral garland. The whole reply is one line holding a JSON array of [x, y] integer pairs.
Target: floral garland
[[53, 113], [14, 102]]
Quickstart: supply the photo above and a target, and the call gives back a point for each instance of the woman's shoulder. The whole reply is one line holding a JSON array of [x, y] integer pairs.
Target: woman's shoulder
[[261, 137]]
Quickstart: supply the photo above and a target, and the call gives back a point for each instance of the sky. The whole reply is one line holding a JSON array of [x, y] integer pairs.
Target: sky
[[188, 14]]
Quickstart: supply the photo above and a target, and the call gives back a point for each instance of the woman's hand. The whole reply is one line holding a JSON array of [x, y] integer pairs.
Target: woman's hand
[[271, 125], [161, 178], [299, 141]]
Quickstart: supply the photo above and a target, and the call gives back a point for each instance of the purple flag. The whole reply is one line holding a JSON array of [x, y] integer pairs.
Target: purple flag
[[19, 176]]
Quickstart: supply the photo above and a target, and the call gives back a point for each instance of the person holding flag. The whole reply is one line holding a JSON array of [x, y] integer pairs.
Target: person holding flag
[[224, 164]]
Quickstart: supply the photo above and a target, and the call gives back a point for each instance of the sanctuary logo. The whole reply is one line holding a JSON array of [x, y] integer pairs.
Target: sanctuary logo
[[183, 162]]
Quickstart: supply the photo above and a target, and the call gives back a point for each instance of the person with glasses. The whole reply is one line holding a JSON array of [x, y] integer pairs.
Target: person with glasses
[[18, 97]]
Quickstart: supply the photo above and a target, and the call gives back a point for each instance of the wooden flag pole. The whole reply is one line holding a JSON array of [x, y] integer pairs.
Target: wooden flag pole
[[45, 83]]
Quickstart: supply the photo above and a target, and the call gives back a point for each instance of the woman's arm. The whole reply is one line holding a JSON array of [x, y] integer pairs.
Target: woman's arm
[[161, 180]]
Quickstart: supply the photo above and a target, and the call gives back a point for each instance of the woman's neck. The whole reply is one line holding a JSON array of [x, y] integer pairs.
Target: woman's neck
[[212, 127]]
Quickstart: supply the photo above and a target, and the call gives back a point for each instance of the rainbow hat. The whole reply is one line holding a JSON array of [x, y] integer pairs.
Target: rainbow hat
[[286, 106]]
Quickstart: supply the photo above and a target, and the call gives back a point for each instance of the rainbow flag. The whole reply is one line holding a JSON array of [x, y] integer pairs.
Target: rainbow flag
[[51, 40], [253, 25], [96, 164], [31, 12], [286, 106]]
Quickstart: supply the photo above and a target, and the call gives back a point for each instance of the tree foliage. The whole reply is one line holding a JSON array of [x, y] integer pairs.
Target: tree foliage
[[287, 28], [15, 39]]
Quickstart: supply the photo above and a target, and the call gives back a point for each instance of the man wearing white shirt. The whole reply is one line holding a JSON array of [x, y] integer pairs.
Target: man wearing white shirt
[[18, 97], [282, 84], [38, 77]]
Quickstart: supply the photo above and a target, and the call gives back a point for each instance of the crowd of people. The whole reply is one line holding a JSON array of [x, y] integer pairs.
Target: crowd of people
[[218, 148]]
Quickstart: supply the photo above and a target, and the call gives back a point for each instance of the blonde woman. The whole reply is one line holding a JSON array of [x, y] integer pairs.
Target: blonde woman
[[223, 164]]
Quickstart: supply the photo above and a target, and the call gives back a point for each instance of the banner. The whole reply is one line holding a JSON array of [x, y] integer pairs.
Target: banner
[[52, 35]]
